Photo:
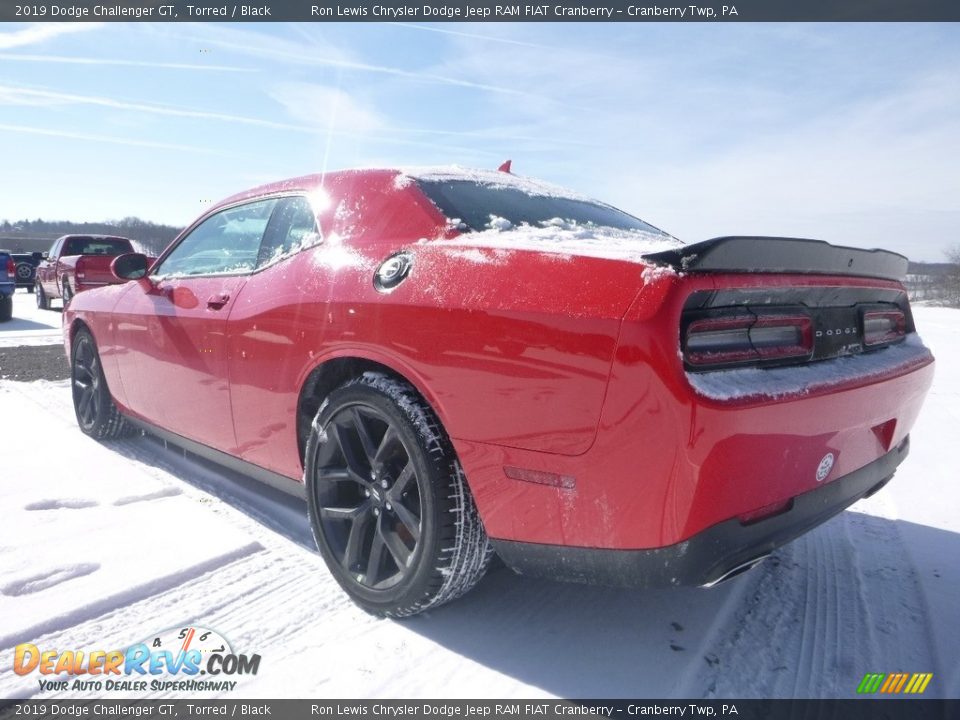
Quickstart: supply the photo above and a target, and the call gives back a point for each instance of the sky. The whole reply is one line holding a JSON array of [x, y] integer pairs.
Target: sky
[[844, 132]]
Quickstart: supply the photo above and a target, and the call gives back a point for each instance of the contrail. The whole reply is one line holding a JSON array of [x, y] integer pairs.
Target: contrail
[[107, 139], [120, 62], [40, 32]]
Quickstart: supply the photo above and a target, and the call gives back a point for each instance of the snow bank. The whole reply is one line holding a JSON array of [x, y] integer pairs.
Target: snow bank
[[801, 379]]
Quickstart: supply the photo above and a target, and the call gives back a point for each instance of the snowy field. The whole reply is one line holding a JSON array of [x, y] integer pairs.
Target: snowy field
[[103, 545]]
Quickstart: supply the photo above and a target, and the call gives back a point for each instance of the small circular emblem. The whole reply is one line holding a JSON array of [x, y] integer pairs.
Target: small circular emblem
[[824, 468], [392, 272]]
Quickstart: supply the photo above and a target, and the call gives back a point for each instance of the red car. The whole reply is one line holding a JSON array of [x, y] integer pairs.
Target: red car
[[452, 363]]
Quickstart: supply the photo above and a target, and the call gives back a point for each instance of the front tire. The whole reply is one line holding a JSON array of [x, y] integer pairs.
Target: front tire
[[6, 308], [42, 302], [97, 415], [389, 505]]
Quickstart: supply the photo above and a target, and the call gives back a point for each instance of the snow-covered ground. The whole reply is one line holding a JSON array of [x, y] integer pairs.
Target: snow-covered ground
[[30, 325], [102, 545]]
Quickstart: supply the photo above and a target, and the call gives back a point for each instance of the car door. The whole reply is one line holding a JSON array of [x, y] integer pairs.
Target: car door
[[272, 334], [46, 270], [172, 326]]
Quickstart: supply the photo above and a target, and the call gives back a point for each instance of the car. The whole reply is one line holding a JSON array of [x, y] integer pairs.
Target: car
[[8, 284], [76, 263], [27, 268], [452, 363]]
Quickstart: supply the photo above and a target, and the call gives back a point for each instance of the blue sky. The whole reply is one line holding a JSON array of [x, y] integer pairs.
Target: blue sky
[[845, 132]]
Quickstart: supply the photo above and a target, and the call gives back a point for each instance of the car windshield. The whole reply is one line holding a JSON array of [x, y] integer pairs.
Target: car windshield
[[95, 246], [479, 205]]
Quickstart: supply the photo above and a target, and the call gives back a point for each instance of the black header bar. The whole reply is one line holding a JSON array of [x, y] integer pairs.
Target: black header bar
[[201, 709], [479, 10]]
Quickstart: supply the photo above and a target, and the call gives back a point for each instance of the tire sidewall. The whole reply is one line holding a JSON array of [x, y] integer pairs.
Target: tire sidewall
[[430, 473]]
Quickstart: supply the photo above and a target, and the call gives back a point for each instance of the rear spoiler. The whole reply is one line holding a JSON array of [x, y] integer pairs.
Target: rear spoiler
[[782, 255]]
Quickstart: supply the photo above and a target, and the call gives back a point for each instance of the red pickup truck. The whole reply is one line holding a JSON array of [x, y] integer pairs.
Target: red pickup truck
[[76, 263]]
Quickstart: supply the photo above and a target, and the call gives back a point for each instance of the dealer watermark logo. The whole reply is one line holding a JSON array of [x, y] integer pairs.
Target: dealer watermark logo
[[894, 683], [186, 659]]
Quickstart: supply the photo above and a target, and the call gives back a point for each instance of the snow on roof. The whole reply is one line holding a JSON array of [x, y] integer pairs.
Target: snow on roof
[[564, 238], [494, 178]]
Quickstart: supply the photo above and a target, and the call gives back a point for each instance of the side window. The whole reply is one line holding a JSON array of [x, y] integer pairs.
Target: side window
[[53, 248], [227, 242], [292, 228]]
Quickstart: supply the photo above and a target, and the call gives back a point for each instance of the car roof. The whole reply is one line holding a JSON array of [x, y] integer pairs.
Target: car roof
[[309, 183], [91, 236]]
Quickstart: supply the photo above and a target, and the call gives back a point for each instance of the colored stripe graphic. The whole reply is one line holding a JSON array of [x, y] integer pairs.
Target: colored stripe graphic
[[894, 683], [871, 683]]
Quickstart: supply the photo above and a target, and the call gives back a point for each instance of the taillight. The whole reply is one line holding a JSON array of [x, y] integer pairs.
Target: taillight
[[747, 338], [78, 268], [883, 326], [11, 267]]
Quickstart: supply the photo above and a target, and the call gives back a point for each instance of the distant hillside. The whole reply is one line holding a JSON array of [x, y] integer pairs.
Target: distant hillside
[[36, 235]]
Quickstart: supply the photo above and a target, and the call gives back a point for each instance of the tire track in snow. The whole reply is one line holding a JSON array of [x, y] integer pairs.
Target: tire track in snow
[[826, 609], [89, 611]]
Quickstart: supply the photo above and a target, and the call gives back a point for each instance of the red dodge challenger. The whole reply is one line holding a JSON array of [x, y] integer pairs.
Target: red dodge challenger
[[450, 363]]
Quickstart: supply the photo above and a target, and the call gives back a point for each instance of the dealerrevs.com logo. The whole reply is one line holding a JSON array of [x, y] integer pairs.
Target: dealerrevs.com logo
[[186, 659]]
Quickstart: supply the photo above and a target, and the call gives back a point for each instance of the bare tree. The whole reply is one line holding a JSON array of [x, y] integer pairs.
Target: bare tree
[[951, 279]]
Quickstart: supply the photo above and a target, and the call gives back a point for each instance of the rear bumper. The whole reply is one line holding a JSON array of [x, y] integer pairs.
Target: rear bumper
[[709, 556]]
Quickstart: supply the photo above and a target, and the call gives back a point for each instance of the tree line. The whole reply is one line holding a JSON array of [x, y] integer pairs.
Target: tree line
[[30, 235]]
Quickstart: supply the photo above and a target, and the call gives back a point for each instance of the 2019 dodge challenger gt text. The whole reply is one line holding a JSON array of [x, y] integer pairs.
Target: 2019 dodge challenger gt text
[[451, 363]]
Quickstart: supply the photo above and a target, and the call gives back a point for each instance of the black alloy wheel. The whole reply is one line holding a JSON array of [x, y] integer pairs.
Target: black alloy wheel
[[96, 413], [389, 505], [368, 496]]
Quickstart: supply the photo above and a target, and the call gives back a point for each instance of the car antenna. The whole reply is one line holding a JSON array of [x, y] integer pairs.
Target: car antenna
[[505, 167]]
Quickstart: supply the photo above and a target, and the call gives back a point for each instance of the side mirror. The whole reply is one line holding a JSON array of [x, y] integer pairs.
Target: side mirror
[[129, 266], [44, 255]]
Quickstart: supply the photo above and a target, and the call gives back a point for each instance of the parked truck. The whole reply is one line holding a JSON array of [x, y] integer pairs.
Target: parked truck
[[76, 263], [8, 284]]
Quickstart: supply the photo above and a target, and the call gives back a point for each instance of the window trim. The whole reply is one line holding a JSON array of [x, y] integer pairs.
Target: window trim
[[222, 208]]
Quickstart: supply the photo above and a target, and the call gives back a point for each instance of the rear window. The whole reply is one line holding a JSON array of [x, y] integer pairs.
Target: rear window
[[95, 246], [480, 207]]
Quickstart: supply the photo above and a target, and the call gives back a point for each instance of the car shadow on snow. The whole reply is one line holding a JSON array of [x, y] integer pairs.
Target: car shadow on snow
[[274, 509], [860, 594]]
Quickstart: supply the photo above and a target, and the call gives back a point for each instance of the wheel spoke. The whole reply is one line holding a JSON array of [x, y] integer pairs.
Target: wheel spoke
[[366, 442], [84, 407], [355, 467], [375, 560], [390, 440], [352, 553], [410, 521], [400, 485], [345, 513], [396, 547]]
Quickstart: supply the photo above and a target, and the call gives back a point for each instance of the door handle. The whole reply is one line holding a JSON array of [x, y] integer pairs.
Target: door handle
[[217, 301]]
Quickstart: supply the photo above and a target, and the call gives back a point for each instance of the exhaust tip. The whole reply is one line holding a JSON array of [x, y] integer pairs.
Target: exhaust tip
[[737, 570]]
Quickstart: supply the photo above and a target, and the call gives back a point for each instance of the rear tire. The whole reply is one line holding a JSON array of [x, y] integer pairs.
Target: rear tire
[[389, 504], [6, 308], [42, 302], [97, 415], [67, 294]]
